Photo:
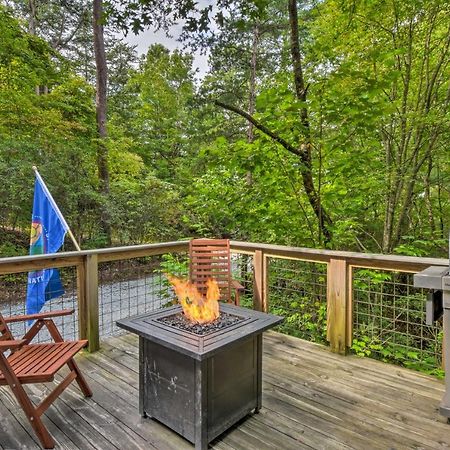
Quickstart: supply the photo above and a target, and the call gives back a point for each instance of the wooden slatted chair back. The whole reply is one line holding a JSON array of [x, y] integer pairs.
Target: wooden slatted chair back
[[210, 258], [5, 333]]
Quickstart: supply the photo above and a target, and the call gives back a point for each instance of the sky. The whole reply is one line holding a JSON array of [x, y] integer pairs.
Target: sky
[[150, 36]]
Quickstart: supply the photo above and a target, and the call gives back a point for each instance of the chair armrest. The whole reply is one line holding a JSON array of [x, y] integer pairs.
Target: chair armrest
[[6, 345], [238, 286], [44, 315]]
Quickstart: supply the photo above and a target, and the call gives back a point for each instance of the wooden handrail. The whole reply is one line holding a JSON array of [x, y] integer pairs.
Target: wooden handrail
[[339, 279], [18, 264], [370, 260]]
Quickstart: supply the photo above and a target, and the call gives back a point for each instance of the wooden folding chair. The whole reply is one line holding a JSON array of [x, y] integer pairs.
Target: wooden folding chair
[[38, 363], [210, 258]]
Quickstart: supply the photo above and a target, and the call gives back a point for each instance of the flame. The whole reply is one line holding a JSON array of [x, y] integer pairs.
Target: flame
[[196, 307]]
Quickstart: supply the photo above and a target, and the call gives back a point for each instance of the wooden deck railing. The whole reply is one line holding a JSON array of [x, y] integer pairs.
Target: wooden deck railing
[[339, 276], [340, 266]]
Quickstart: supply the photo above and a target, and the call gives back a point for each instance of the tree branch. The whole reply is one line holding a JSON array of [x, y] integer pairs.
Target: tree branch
[[290, 148], [305, 169]]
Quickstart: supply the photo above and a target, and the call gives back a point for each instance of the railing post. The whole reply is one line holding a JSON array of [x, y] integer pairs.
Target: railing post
[[349, 306], [260, 276], [87, 284], [82, 302], [338, 305]]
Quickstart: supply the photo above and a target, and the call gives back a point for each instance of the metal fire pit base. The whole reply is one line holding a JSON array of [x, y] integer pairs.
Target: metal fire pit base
[[200, 399], [199, 386]]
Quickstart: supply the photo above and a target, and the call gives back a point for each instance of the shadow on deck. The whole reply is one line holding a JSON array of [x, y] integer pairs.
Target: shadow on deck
[[311, 399]]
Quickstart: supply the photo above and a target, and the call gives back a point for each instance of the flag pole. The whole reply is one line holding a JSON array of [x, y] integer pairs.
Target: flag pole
[[55, 206]]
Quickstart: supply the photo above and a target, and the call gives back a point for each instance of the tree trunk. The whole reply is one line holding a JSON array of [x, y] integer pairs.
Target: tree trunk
[[409, 144], [252, 87], [32, 19], [252, 92], [32, 27], [390, 195], [100, 107], [427, 198], [301, 90]]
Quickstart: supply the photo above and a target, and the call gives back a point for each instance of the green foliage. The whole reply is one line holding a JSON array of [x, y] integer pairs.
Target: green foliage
[[308, 322], [8, 249], [366, 346], [163, 88], [56, 131], [171, 264], [389, 322], [174, 264], [420, 247], [180, 166], [297, 292], [53, 131]]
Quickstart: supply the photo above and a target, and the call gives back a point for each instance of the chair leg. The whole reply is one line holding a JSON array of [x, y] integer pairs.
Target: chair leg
[[56, 335], [80, 379], [27, 405], [237, 300], [42, 433], [32, 416]]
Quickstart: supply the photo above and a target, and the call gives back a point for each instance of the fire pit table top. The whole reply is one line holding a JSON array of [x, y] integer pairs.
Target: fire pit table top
[[199, 347]]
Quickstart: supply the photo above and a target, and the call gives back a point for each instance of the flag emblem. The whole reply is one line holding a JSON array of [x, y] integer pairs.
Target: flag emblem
[[36, 236]]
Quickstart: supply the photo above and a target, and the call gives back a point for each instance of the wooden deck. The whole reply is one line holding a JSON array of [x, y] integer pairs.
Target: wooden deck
[[312, 399]]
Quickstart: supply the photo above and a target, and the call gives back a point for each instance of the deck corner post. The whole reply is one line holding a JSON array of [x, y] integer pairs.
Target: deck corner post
[[339, 323], [260, 284], [81, 300], [88, 313]]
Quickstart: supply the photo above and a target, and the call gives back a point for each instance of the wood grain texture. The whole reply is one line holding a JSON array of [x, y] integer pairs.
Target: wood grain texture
[[312, 398], [82, 301], [92, 308], [37, 363], [369, 260], [260, 282], [337, 305], [210, 258], [257, 281]]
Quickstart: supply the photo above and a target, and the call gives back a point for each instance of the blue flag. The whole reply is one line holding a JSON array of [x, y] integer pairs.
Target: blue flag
[[48, 229]]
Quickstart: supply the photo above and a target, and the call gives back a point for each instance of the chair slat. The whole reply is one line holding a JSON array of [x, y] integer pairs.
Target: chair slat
[[45, 359], [210, 258], [42, 361], [21, 362]]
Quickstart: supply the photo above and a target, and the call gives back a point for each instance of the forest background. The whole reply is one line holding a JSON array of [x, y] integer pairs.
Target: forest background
[[317, 124]]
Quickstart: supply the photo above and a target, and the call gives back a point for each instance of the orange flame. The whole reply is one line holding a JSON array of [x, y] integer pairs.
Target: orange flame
[[197, 309]]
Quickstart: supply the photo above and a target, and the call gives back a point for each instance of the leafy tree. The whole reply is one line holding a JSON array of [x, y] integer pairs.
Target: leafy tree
[[302, 149], [385, 96], [332, 125], [164, 88]]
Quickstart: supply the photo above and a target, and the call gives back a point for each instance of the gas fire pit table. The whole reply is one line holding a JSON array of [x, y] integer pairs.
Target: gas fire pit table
[[200, 381]]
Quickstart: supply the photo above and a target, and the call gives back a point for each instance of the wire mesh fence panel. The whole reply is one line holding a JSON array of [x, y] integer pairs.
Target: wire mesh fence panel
[[298, 291], [242, 271], [13, 295], [135, 286], [389, 321]]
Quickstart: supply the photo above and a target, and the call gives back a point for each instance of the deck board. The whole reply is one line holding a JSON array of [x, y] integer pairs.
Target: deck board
[[311, 399]]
